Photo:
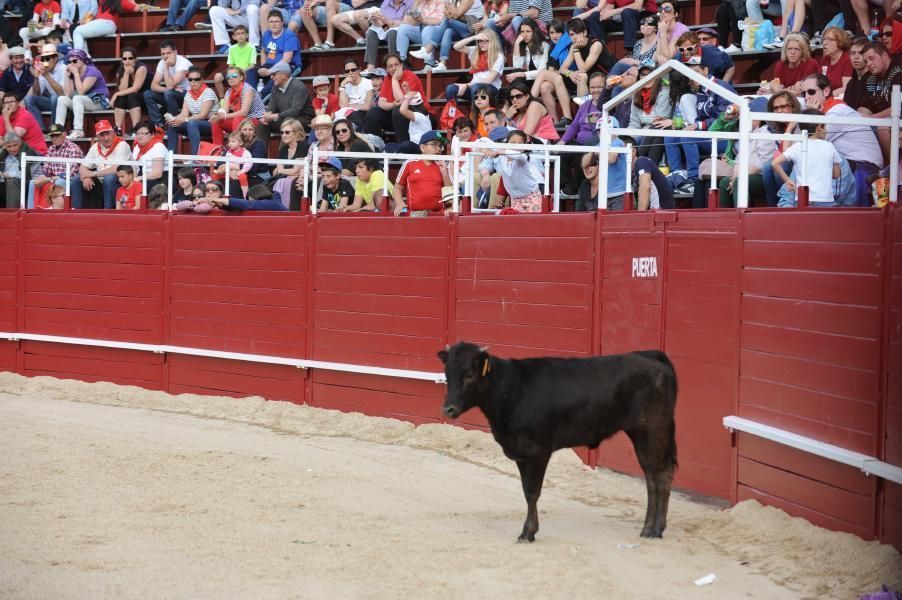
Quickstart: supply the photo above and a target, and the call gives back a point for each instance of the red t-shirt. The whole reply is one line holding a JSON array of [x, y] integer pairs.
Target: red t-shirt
[[33, 136], [331, 103], [835, 73], [127, 198], [423, 185], [648, 5], [412, 80], [789, 77], [127, 6], [43, 13]]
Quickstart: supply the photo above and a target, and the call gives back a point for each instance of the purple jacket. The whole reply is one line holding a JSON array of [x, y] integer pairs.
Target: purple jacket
[[581, 128]]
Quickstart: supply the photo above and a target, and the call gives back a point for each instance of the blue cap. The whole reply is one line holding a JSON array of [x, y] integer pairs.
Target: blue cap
[[330, 162], [499, 134], [432, 136]]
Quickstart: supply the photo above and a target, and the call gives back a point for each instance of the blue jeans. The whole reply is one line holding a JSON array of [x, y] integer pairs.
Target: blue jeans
[[170, 99], [193, 130], [515, 23], [172, 17], [772, 183], [91, 29], [628, 23], [693, 148], [36, 104], [448, 31], [412, 33], [453, 90], [110, 184]]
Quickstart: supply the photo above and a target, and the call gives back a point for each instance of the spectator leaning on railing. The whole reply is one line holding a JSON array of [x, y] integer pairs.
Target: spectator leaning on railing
[[97, 184]]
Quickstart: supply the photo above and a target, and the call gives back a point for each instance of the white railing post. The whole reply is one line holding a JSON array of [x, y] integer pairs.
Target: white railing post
[[895, 110], [745, 128], [604, 144], [169, 178], [557, 185], [314, 171], [455, 181], [23, 189], [228, 165], [714, 164]]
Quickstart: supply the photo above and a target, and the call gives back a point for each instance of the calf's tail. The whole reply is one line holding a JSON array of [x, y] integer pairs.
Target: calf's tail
[[668, 384]]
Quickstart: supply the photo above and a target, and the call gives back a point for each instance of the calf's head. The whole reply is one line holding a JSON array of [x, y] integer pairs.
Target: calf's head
[[466, 370]]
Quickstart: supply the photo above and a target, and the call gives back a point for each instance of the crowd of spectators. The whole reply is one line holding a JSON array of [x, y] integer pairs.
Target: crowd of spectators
[[528, 80]]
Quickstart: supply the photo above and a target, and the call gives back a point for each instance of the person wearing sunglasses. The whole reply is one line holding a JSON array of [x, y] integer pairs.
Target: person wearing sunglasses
[[355, 95], [529, 115], [49, 79], [133, 77], [719, 63], [192, 121], [85, 91], [348, 140], [241, 101], [293, 147], [669, 30]]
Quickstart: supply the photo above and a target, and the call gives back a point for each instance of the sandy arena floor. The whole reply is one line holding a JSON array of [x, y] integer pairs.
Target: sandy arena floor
[[116, 492]]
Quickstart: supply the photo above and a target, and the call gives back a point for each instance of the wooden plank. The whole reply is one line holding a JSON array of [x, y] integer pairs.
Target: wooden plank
[[551, 225], [516, 270], [352, 341], [240, 295], [374, 403], [424, 287], [78, 367], [245, 242], [234, 383], [698, 345], [147, 290], [411, 266], [433, 392], [93, 270], [294, 349], [219, 259], [242, 313], [519, 313], [745, 492], [545, 248], [285, 333], [552, 340], [840, 319], [397, 247], [379, 304], [856, 441], [96, 254], [123, 319], [427, 361], [841, 350], [264, 279], [294, 225], [380, 228], [827, 257], [369, 323], [236, 367], [555, 294], [95, 221], [814, 226], [715, 321], [616, 339], [842, 288], [113, 238]]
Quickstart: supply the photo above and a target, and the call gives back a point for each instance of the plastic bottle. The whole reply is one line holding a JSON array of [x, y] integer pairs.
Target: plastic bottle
[[875, 26], [678, 119]]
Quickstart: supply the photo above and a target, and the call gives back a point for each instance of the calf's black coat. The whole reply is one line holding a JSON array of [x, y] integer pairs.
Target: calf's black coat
[[538, 405]]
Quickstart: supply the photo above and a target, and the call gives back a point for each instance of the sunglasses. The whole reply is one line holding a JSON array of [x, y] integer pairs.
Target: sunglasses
[[648, 23], [128, 58], [517, 96], [481, 97], [197, 195], [192, 79], [74, 61], [142, 133], [886, 34], [47, 58], [352, 69], [342, 131], [666, 9], [686, 49], [286, 131], [211, 189], [810, 92], [782, 107], [233, 76]]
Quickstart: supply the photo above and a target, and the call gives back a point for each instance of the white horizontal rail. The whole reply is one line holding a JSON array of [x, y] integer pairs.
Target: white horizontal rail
[[863, 462], [300, 363], [62, 160]]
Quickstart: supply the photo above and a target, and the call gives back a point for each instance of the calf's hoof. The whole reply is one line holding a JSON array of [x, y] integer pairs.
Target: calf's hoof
[[651, 532], [526, 537]]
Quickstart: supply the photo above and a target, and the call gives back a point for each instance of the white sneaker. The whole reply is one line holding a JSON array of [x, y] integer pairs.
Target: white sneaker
[[777, 43], [76, 133], [732, 49], [422, 54], [203, 25], [439, 66], [580, 100]]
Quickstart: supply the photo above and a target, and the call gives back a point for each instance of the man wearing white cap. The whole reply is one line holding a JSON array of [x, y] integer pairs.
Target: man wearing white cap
[[289, 100], [16, 79], [49, 77]]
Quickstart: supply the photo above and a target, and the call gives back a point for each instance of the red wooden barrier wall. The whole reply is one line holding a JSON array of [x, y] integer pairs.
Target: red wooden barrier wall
[[793, 319]]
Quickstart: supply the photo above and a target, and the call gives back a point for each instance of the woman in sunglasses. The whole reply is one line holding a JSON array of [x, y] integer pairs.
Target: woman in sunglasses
[[355, 96], [85, 91], [643, 52], [348, 140], [669, 31], [528, 113], [129, 97], [293, 147], [484, 100], [240, 101], [192, 121]]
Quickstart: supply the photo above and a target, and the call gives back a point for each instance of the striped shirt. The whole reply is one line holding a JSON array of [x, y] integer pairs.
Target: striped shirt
[[194, 106], [257, 108]]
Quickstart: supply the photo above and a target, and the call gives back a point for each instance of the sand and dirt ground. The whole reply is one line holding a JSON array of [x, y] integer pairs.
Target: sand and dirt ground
[[116, 492]]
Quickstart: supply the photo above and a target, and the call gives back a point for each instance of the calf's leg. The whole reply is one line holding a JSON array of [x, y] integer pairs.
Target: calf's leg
[[532, 475], [639, 437]]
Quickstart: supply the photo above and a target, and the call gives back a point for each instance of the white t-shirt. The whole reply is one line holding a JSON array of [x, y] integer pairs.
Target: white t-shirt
[[853, 142], [122, 151], [418, 127], [181, 64], [158, 150], [822, 155], [357, 93], [483, 76]]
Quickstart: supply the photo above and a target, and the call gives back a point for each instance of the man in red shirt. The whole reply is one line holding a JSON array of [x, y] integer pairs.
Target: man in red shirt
[[423, 179], [130, 189], [22, 123], [386, 113]]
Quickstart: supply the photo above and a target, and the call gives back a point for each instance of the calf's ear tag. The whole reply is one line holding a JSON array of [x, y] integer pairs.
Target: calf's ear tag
[[485, 367]]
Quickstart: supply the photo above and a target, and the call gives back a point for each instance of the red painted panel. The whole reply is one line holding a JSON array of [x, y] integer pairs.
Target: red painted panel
[[546, 248], [410, 387], [211, 376], [809, 285], [527, 269], [863, 321], [529, 292], [857, 441], [813, 256], [8, 353], [558, 225], [842, 350], [891, 525], [855, 508], [542, 339], [85, 363], [815, 226], [573, 317], [425, 362], [411, 266], [375, 403], [745, 492], [433, 327], [9, 272], [426, 288]]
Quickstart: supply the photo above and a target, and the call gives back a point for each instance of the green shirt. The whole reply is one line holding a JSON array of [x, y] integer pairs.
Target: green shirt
[[242, 57]]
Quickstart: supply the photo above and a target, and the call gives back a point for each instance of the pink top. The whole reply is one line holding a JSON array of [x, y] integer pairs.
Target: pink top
[[544, 130]]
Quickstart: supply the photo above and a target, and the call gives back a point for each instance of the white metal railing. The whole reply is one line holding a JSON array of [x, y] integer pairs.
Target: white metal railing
[[23, 191]]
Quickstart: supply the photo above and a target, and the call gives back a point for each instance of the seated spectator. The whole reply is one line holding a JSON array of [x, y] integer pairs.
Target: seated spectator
[[669, 31], [718, 62], [858, 145], [202, 203], [369, 187], [130, 189], [618, 15], [487, 178], [348, 140], [157, 197], [549, 84], [386, 113], [134, 81], [185, 182], [289, 100], [168, 86], [293, 147], [238, 171], [529, 115], [257, 148], [729, 14], [11, 165], [241, 101], [507, 24], [587, 55], [486, 65], [44, 18], [97, 183], [314, 16], [359, 16], [193, 120], [289, 9], [55, 172], [761, 155], [280, 45], [420, 182], [384, 24], [644, 50], [231, 13], [651, 105], [708, 38], [856, 93], [56, 195], [781, 102], [796, 10], [457, 24], [612, 88], [835, 63], [105, 22], [616, 170], [795, 64], [650, 188], [176, 21], [483, 101], [588, 189], [530, 52], [883, 74], [17, 79], [355, 95], [336, 190], [521, 178], [85, 91], [324, 101], [19, 121], [259, 197], [242, 53], [582, 131], [323, 139], [149, 150], [49, 79], [419, 27], [87, 10], [822, 165]]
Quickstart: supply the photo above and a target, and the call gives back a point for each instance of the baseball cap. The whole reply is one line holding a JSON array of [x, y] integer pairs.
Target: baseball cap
[[416, 100], [48, 50], [378, 72], [281, 67], [499, 134], [17, 51], [330, 163], [613, 123], [320, 80], [432, 136], [55, 130], [695, 60], [709, 31], [102, 126]]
